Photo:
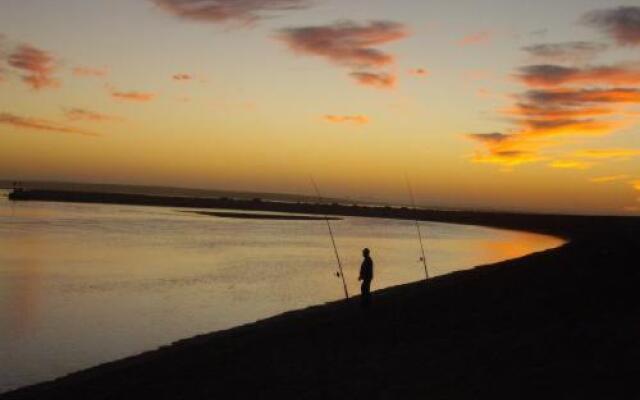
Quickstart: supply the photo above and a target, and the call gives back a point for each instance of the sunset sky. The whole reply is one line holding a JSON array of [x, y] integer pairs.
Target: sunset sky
[[528, 105]]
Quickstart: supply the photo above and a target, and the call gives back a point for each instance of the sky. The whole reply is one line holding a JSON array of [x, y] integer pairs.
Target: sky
[[504, 104]]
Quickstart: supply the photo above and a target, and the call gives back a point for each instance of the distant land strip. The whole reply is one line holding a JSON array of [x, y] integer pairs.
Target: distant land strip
[[283, 217], [563, 226]]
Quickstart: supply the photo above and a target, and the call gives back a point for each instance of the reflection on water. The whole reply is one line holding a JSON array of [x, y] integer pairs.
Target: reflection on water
[[81, 284]]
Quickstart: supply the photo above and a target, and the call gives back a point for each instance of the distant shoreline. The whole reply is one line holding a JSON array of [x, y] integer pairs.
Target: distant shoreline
[[558, 225], [283, 217], [558, 323]]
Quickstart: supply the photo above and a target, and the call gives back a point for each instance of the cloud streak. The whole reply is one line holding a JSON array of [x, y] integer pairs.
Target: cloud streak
[[38, 124], [608, 178], [570, 164], [354, 119], [37, 66], [548, 75], [577, 51], [182, 77], [80, 114], [606, 154], [133, 96], [351, 45], [223, 11], [380, 80]]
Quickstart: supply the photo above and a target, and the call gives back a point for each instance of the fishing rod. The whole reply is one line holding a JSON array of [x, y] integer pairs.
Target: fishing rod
[[415, 211], [333, 241]]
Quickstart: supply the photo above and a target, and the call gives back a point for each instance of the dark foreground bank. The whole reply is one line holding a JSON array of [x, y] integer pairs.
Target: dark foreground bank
[[561, 324]]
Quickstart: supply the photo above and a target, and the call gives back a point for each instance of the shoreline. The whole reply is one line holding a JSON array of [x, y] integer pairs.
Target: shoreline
[[560, 323]]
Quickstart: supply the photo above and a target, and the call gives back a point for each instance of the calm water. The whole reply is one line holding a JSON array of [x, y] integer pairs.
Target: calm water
[[83, 284]]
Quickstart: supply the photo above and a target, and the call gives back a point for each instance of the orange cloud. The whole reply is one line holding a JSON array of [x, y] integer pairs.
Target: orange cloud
[[475, 38], [182, 77], [40, 125], [573, 97], [609, 178], [419, 72], [349, 44], [356, 119], [37, 65], [133, 96], [556, 112], [570, 164], [636, 184], [554, 75], [568, 127], [79, 114], [379, 80], [90, 72], [505, 149], [507, 158], [218, 11], [604, 154]]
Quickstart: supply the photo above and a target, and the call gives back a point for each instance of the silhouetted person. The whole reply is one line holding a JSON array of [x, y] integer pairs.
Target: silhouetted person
[[366, 276]]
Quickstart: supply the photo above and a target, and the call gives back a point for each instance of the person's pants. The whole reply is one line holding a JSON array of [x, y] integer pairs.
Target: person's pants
[[365, 289]]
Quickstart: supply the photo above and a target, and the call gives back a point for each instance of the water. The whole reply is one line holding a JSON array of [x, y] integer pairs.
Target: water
[[82, 284]]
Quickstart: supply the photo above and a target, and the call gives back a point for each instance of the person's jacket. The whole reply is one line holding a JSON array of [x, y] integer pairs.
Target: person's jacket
[[366, 269]]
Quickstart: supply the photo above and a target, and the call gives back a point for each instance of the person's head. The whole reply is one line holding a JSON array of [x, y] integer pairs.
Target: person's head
[[365, 252]]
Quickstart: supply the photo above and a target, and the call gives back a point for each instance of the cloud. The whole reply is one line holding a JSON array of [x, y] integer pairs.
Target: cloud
[[355, 119], [40, 125], [565, 52], [504, 149], [573, 97], [636, 184], [79, 114], [602, 154], [491, 138], [222, 11], [475, 38], [506, 158], [37, 65], [554, 75], [346, 43], [351, 45], [568, 126], [570, 164], [621, 23], [419, 72], [380, 80], [554, 112], [608, 179], [90, 72], [566, 97], [133, 96], [543, 116], [182, 77]]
